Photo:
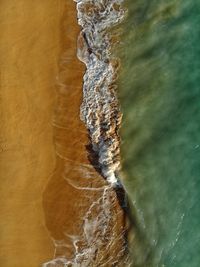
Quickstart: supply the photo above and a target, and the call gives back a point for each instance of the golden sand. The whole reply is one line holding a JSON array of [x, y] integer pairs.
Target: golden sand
[[44, 152], [30, 47]]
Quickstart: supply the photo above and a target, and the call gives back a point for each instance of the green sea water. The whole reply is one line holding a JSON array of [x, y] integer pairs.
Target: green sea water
[[160, 99]]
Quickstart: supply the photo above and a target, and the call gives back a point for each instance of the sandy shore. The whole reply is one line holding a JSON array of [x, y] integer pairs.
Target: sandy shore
[[45, 155], [30, 47]]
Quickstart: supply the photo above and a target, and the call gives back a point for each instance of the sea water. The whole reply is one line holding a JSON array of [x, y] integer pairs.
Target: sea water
[[160, 99]]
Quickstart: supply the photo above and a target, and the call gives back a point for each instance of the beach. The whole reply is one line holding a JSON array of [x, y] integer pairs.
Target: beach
[[55, 204], [30, 48]]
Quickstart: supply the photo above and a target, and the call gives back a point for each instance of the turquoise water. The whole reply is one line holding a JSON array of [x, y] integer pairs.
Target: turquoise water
[[160, 98]]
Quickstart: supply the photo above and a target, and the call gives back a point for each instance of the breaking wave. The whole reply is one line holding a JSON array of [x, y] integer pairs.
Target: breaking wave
[[100, 108]]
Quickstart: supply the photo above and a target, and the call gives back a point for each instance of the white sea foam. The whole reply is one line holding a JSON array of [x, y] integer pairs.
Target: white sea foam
[[100, 108], [97, 236]]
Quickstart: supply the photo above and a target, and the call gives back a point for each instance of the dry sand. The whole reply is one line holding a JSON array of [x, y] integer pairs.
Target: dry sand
[[30, 49], [44, 154]]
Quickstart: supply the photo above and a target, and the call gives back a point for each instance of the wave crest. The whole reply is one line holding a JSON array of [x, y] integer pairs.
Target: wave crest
[[100, 109]]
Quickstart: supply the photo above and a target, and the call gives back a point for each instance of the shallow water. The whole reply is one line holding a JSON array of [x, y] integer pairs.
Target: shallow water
[[160, 98]]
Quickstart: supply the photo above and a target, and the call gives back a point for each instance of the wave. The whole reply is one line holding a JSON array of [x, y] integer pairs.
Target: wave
[[100, 109]]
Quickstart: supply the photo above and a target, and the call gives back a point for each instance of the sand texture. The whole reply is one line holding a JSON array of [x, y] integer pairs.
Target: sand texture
[[51, 191], [29, 48]]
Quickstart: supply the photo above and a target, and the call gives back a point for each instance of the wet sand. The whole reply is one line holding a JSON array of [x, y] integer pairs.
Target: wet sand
[[46, 172], [71, 194]]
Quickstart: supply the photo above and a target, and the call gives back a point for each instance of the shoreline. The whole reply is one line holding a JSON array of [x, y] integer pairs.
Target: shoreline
[[55, 202], [74, 219]]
